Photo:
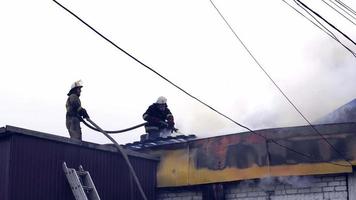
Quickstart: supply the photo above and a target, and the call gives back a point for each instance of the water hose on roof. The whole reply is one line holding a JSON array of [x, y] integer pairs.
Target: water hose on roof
[[112, 132], [123, 153]]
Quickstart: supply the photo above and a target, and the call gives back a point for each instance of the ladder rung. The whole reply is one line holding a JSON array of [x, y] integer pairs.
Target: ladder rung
[[76, 180], [82, 173], [87, 188]]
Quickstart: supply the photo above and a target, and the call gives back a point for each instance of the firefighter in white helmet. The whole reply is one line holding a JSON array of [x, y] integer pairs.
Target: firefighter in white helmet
[[75, 111], [160, 119]]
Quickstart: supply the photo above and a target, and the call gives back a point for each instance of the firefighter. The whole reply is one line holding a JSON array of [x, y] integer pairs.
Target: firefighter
[[75, 111], [160, 119]]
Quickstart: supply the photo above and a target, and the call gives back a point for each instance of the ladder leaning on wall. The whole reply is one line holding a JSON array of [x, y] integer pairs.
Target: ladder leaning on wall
[[80, 183]]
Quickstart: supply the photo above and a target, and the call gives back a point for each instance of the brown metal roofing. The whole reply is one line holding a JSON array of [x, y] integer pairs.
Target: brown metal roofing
[[31, 167]]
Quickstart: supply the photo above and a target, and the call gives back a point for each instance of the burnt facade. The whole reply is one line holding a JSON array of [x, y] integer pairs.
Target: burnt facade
[[288, 151], [31, 167]]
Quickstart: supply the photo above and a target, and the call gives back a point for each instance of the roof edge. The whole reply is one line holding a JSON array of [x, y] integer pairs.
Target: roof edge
[[17, 130], [2, 129]]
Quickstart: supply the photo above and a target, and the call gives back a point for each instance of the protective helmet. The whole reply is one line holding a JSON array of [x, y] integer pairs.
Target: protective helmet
[[161, 100], [77, 84]]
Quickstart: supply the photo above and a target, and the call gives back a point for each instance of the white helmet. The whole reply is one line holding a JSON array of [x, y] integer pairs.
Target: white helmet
[[161, 100], [76, 84]]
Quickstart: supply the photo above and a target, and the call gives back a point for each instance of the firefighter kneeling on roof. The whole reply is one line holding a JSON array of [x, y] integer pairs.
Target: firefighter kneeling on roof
[[160, 120]]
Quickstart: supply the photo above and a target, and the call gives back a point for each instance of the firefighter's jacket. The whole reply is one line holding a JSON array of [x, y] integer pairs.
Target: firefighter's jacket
[[154, 116], [73, 106]]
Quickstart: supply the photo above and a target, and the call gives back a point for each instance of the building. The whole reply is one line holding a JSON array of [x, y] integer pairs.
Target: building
[[31, 167], [293, 163], [246, 166]]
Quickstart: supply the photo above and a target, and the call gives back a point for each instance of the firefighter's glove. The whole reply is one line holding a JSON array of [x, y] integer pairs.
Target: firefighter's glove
[[164, 124], [170, 124], [84, 113]]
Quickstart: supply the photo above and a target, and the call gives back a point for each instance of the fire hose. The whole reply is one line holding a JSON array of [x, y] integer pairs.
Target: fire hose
[[95, 127], [112, 132], [123, 153], [120, 131]]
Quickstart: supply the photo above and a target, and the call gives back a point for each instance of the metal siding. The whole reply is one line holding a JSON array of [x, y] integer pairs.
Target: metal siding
[[4, 167], [147, 178], [37, 170]]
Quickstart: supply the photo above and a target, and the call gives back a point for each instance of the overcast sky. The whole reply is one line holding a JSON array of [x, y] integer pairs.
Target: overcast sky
[[43, 50]]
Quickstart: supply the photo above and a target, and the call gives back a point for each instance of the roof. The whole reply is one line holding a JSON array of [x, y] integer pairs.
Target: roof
[[161, 142], [31, 167], [345, 113], [271, 133], [8, 130]]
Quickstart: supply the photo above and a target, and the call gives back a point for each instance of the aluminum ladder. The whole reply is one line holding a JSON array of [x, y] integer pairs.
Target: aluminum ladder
[[81, 183]]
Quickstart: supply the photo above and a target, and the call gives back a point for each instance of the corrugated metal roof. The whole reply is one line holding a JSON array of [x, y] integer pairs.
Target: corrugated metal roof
[[161, 142], [105, 147], [34, 166]]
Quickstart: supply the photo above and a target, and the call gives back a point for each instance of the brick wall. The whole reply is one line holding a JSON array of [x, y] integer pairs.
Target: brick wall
[[323, 187], [179, 194], [331, 187]]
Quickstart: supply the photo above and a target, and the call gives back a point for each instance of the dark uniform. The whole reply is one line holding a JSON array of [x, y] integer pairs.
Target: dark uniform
[[159, 120]]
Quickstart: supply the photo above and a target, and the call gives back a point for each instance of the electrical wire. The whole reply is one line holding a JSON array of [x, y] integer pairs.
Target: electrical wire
[[275, 84], [235, 122], [342, 8], [323, 28], [338, 12], [320, 26], [346, 6], [331, 34], [330, 24]]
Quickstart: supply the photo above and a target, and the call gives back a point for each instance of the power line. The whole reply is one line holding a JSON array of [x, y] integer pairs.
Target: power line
[[338, 11], [320, 26], [325, 30], [275, 84], [205, 104], [346, 6], [343, 9], [331, 33], [330, 24]]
